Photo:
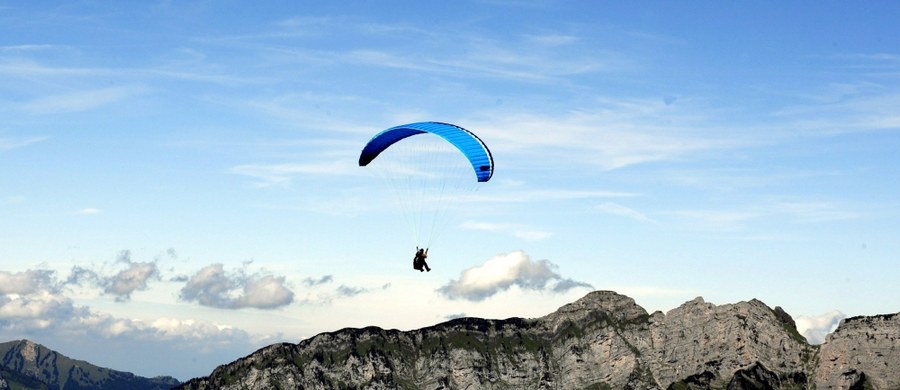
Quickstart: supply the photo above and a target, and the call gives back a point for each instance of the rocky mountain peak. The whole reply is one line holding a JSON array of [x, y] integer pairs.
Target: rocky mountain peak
[[28, 350], [716, 341], [596, 305]]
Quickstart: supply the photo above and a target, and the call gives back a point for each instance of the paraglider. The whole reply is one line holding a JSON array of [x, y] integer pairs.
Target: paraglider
[[419, 263], [466, 141], [430, 166]]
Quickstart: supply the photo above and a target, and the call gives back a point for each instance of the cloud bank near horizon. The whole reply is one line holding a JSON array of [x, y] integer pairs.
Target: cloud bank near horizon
[[34, 305], [37, 302], [42, 305], [42, 300]]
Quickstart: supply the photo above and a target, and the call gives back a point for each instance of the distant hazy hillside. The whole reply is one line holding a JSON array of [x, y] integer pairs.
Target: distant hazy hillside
[[26, 365], [602, 341]]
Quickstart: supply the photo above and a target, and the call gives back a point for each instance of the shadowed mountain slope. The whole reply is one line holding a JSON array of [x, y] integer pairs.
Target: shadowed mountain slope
[[26, 365]]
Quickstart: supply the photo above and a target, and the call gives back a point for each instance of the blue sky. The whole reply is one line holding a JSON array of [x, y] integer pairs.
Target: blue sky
[[181, 177]]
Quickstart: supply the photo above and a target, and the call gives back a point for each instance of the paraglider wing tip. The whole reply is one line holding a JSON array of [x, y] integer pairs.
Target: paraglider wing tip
[[482, 177]]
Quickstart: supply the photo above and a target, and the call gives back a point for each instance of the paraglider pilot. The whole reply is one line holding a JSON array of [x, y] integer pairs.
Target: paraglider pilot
[[419, 260]]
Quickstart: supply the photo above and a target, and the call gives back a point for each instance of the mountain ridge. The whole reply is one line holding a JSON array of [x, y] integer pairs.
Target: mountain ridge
[[28, 365], [601, 341]]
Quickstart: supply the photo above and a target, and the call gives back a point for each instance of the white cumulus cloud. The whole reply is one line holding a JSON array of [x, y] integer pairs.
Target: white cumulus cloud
[[504, 271], [212, 286], [135, 276], [131, 279], [27, 282], [817, 328], [265, 292], [36, 310]]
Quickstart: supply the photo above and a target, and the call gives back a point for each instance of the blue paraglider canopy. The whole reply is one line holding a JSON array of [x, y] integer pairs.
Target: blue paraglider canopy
[[467, 142]]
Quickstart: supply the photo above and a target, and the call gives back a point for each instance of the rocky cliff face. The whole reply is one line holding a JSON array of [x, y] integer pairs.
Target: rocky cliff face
[[602, 341], [26, 365], [863, 352]]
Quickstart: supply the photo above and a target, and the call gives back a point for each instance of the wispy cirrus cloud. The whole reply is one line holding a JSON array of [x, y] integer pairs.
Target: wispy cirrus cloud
[[451, 51], [614, 134], [521, 194], [268, 175], [482, 56], [25, 48], [812, 211], [716, 220], [843, 108], [78, 101], [553, 39], [488, 60], [15, 143], [517, 230], [623, 211], [28, 68], [778, 211]]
